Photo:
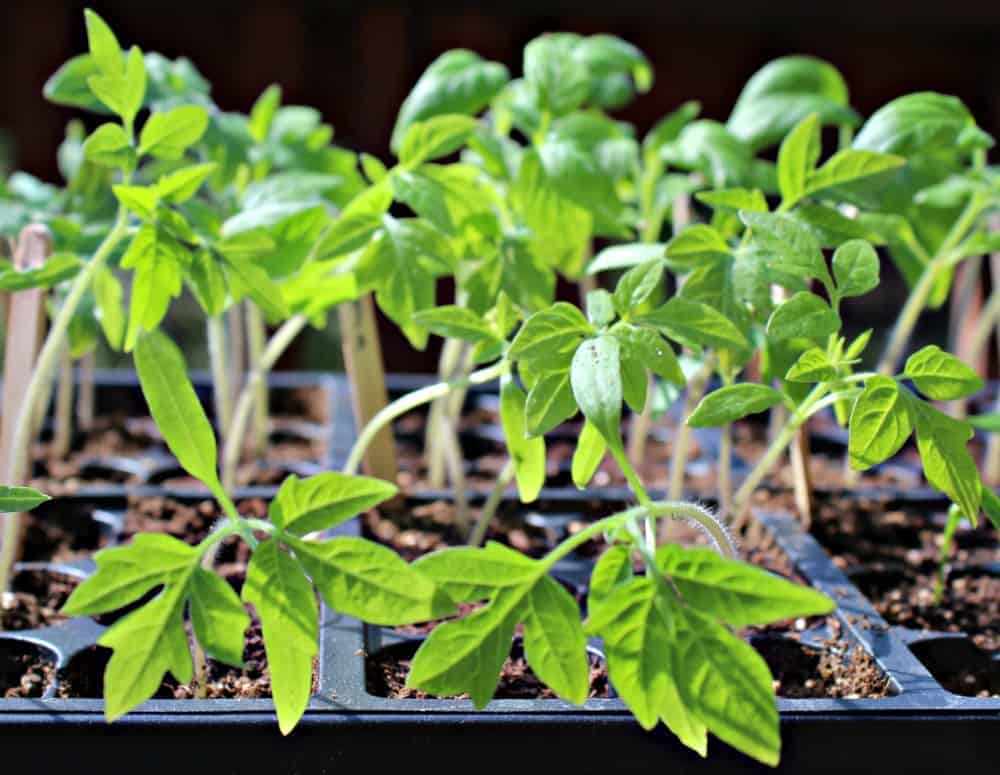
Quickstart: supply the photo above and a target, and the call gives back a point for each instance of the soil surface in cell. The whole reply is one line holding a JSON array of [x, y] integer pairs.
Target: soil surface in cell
[[34, 600], [24, 672]]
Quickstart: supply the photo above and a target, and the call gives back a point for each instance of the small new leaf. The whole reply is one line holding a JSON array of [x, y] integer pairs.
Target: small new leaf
[[731, 403], [940, 375]]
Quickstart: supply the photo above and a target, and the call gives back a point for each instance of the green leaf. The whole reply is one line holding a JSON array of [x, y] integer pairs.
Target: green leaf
[[109, 146], [797, 158], [551, 334], [804, 315], [147, 644], [69, 85], [732, 403], [727, 685], [915, 124], [738, 593], [285, 602], [360, 578], [625, 256], [436, 137], [595, 376], [559, 82], [56, 269], [991, 507], [527, 454], [401, 264], [795, 255], [15, 499], [465, 656], [880, 423], [785, 91], [830, 228], [600, 308], [695, 324], [668, 128], [985, 422], [263, 111], [108, 296], [855, 268], [948, 464], [180, 186], [104, 47], [634, 621], [468, 574], [638, 285], [455, 322], [849, 165], [812, 366], [141, 200], [589, 452], [612, 568], [734, 199], [458, 81], [857, 347], [648, 347], [550, 402], [325, 500], [554, 642], [709, 148], [695, 246], [173, 404], [126, 573], [157, 259], [167, 135], [573, 175], [940, 375], [449, 196], [218, 617]]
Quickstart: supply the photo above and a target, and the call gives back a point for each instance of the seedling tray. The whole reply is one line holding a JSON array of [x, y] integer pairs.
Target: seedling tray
[[919, 728], [117, 391]]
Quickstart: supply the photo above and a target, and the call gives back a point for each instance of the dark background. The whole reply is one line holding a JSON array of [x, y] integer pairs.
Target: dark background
[[355, 61]]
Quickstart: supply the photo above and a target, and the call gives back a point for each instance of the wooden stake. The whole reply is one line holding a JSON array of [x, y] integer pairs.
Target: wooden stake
[[366, 375], [799, 452], [25, 329]]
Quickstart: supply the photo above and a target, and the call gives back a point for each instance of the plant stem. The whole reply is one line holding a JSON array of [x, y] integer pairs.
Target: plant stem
[[947, 538], [434, 450], [276, 346], [638, 430], [85, 398], [453, 460], [492, 502], [778, 446], [256, 338], [986, 326], [917, 301], [411, 401], [696, 389], [221, 390], [653, 511], [45, 367], [62, 432], [237, 356]]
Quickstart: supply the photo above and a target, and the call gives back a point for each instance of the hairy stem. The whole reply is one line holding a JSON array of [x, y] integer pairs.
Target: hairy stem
[[236, 360], [221, 391], [434, 445], [725, 468], [456, 473], [62, 432], [492, 502], [276, 347], [48, 360], [256, 339], [411, 401]]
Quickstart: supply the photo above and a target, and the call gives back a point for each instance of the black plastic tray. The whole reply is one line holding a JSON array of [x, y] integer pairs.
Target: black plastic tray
[[921, 728], [118, 390]]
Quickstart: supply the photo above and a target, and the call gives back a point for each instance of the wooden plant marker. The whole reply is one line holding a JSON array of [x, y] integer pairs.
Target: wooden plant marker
[[25, 329], [799, 453], [366, 375]]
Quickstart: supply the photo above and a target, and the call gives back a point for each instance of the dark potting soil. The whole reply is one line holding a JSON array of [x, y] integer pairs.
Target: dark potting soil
[[386, 671], [84, 675], [35, 599], [891, 553], [61, 533], [24, 671]]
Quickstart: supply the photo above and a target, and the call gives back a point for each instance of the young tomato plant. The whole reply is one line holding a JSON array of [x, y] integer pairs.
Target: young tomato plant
[[286, 571]]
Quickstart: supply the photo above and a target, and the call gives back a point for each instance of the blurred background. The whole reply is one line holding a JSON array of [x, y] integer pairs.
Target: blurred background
[[355, 61]]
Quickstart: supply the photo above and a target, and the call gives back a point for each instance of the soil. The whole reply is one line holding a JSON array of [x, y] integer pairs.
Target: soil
[[61, 532], [84, 675], [295, 437], [386, 672], [24, 672], [891, 552], [35, 599]]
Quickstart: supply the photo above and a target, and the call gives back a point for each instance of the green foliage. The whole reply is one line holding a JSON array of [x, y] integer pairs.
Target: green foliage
[[15, 499]]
